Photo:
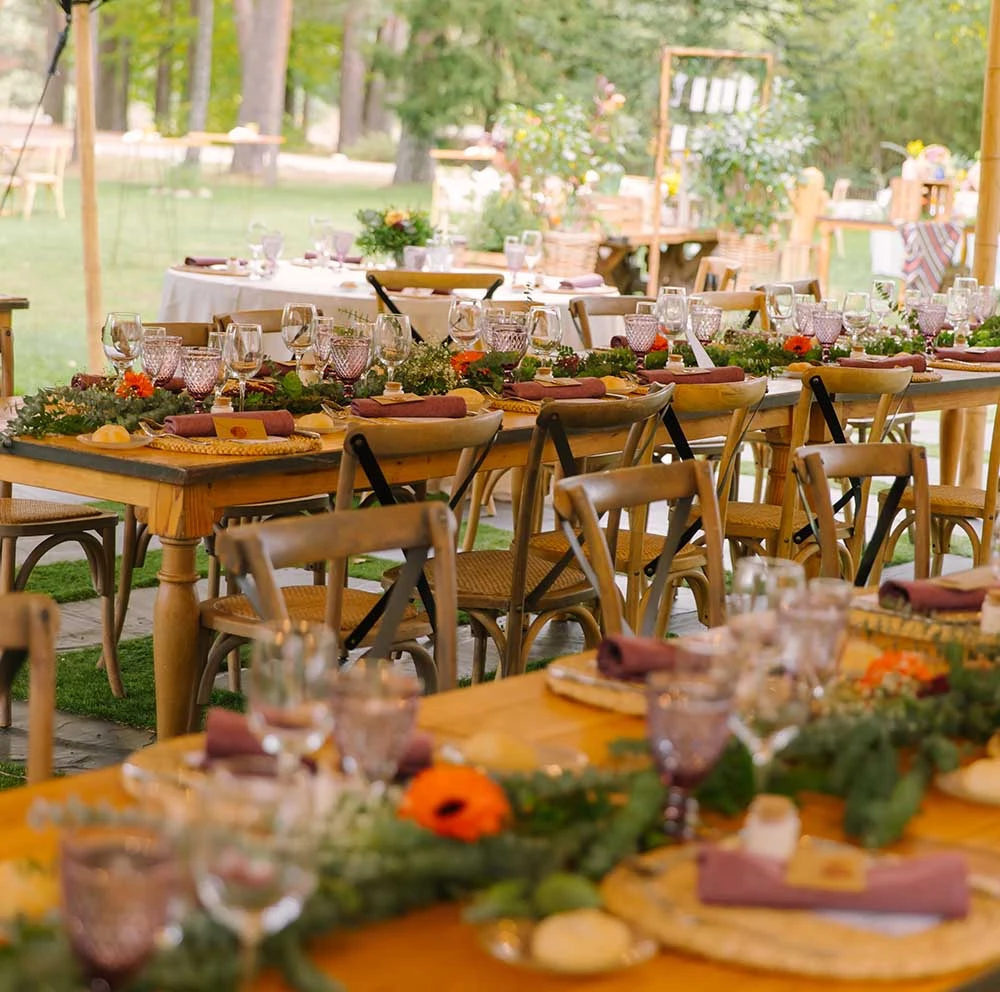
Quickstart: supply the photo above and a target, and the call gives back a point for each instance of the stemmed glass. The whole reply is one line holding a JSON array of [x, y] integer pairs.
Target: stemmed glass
[[827, 326], [256, 233], [342, 241], [253, 856], [705, 322], [516, 255], [883, 294], [320, 234], [532, 241], [640, 333], [767, 582], [323, 331], [122, 339], [930, 319], [957, 313], [985, 303], [393, 341], [857, 312], [544, 331], [351, 354], [217, 342], [272, 244], [118, 885], [780, 304], [200, 372], [161, 354], [508, 336], [802, 313], [463, 321], [374, 713], [297, 325], [243, 352], [671, 312], [817, 620]]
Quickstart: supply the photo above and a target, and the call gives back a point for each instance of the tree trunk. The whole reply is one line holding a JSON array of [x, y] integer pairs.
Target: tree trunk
[[413, 158], [164, 70], [201, 74], [55, 96], [352, 78], [263, 30], [106, 89], [391, 35]]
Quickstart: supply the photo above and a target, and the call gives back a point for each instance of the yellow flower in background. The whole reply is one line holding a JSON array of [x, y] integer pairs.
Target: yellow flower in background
[[914, 148], [393, 217]]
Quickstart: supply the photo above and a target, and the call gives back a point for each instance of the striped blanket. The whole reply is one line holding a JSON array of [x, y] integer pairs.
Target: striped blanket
[[928, 248]]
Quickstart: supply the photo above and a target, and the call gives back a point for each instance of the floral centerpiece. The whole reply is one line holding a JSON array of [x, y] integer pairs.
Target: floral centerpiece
[[389, 231]]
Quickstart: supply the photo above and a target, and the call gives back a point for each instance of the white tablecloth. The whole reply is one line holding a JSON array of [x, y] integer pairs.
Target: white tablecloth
[[192, 296]]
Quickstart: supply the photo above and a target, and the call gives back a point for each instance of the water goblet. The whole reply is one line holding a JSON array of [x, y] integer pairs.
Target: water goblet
[[884, 293], [767, 582], [320, 234], [985, 303], [641, 330], [272, 244], [508, 337], [297, 324], [161, 354], [817, 622], [255, 242], [341, 241], [323, 330], [243, 353], [516, 255], [780, 304], [827, 326], [414, 258], [393, 341], [122, 340], [351, 354], [802, 313], [117, 886], [544, 332], [438, 254], [705, 322], [532, 241], [672, 314], [464, 318], [930, 319], [217, 342], [200, 372], [957, 313], [374, 713], [857, 311]]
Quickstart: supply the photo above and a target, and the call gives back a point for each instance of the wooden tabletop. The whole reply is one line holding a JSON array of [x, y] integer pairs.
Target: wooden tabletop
[[432, 949]]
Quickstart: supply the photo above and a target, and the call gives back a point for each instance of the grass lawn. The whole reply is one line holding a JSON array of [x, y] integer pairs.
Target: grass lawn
[[142, 233]]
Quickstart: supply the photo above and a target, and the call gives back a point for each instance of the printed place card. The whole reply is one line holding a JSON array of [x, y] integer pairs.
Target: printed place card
[[240, 428], [838, 870], [395, 398]]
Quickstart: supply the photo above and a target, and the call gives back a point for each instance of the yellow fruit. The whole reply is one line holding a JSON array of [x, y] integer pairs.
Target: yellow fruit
[[500, 752], [474, 400], [315, 422], [581, 941], [111, 434]]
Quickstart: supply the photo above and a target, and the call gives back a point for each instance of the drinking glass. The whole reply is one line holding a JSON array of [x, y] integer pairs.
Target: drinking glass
[[516, 255], [544, 331], [438, 254], [117, 888], [705, 322], [957, 312], [374, 713], [463, 321], [640, 333], [393, 341], [323, 330], [508, 336], [802, 313], [671, 312], [272, 244], [297, 324], [817, 620], [200, 372], [985, 303], [161, 354], [217, 342], [857, 311], [883, 294], [930, 319], [414, 257], [688, 717], [780, 304], [321, 234], [827, 326], [532, 241], [256, 233], [767, 582], [341, 241], [647, 307], [967, 284], [122, 339], [253, 855], [243, 353], [351, 354]]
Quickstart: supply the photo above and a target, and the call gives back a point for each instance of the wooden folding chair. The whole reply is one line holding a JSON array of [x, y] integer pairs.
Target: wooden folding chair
[[716, 273], [583, 308]]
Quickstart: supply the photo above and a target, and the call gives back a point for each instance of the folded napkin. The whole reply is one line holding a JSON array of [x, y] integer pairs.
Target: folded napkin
[[928, 596], [901, 361], [430, 406], [721, 373], [310, 256], [582, 389], [936, 885], [589, 281], [969, 354], [622, 656], [277, 423], [207, 261]]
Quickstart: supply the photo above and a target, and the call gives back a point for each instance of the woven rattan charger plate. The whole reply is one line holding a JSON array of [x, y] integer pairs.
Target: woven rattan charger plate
[[956, 366], [661, 897], [294, 445]]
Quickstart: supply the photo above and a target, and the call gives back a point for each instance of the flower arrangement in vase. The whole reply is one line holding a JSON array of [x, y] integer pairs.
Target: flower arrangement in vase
[[389, 231]]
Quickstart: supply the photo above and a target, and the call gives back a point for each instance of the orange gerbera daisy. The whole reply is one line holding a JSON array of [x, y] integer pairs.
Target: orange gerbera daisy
[[660, 343], [906, 664], [135, 384], [456, 801], [461, 361], [798, 344]]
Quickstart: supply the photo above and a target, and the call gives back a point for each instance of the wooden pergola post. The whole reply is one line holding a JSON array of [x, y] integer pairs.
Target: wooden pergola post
[[83, 40]]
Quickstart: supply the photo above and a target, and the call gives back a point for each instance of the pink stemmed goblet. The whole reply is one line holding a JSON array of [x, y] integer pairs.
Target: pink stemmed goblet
[[827, 326], [200, 371], [161, 354], [705, 322], [350, 356], [640, 333], [930, 319]]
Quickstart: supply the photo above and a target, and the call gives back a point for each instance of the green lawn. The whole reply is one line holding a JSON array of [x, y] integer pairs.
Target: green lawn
[[142, 233]]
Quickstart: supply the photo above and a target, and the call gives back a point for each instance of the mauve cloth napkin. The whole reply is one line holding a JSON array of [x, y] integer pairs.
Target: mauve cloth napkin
[[277, 423], [431, 406], [204, 261], [916, 362], [622, 656], [936, 884], [589, 281], [309, 256], [926, 596], [969, 355], [583, 389], [722, 373]]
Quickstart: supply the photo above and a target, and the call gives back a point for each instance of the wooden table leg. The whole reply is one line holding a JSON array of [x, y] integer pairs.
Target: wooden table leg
[[775, 493], [970, 466], [175, 636], [952, 422]]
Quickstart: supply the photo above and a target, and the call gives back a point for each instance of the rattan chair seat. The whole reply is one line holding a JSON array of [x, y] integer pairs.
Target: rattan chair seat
[[948, 501], [552, 545], [758, 520], [37, 511]]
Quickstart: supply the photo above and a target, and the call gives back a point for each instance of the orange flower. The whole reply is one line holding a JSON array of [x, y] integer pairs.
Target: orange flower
[[906, 664], [135, 384], [461, 361], [455, 801], [660, 343], [798, 344]]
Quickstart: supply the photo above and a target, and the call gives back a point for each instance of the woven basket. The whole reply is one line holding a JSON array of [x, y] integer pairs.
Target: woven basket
[[566, 254], [218, 446], [758, 256]]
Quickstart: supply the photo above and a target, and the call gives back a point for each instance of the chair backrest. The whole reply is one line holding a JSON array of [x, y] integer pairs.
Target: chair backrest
[[581, 502], [721, 272], [753, 304], [269, 320], [808, 286], [28, 626], [256, 551], [815, 465], [193, 333], [583, 308]]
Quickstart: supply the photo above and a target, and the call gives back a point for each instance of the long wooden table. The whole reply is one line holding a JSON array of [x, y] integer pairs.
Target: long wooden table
[[431, 950], [185, 494]]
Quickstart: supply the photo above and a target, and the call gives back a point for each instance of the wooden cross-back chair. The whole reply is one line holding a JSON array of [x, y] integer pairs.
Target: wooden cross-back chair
[[807, 286], [581, 503], [816, 466], [716, 273], [583, 308], [753, 304], [29, 623]]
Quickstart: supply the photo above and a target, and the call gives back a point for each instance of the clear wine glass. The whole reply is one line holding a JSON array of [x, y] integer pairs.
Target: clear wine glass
[[827, 326], [802, 313], [640, 333], [544, 332], [705, 322], [817, 622], [342, 241], [393, 341], [217, 342], [780, 304], [767, 582], [957, 313], [884, 293], [253, 855], [374, 713], [463, 321], [256, 233], [272, 245], [297, 325], [243, 353], [672, 314], [351, 354], [930, 319], [122, 340], [118, 885], [323, 330], [985, 303], [161, 355], [516, 255], [857, 312], [320, 235], [200, 372], [532, 241]]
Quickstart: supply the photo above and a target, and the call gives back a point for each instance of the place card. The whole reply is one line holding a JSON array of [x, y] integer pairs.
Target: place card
[[552, 381], [395, 398], [240, 428], [834, 869]]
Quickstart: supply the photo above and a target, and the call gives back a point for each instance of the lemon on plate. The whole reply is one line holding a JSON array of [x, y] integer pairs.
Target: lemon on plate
[[111, 434]]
